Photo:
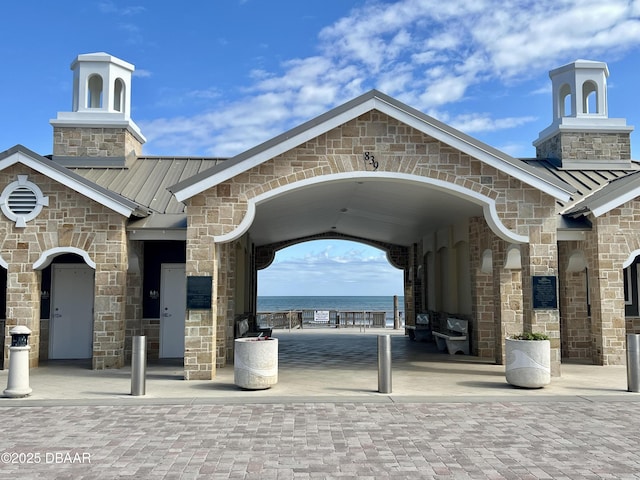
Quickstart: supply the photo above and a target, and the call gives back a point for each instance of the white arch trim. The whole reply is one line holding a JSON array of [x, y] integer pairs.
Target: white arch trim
[[632, 256], [488, 204], [3, 263], [47, 257]]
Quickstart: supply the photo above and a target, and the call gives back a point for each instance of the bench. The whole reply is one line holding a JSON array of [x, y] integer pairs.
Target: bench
[[243, 329], [421, 331], [455, 338]]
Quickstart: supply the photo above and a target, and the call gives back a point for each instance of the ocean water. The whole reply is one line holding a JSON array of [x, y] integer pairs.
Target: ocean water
[[339, 303]]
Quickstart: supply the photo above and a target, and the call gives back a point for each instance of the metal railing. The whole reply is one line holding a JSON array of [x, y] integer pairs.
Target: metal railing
[[293, 319]]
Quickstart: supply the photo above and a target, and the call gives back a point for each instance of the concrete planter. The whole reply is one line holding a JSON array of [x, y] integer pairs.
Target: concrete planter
[[528, 363], [255, 363]]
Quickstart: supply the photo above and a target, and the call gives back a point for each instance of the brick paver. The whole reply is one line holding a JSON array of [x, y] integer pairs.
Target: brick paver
[[511, 440]]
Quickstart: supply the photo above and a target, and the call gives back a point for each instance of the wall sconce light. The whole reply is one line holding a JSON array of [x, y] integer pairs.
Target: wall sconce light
[[154, 294]]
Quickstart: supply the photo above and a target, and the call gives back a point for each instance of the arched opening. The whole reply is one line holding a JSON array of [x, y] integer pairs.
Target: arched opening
[[575, 320], [344, 278], [118, 95], [66, 306], [94, 92], [630, 275], [565, 101], [590, 98]]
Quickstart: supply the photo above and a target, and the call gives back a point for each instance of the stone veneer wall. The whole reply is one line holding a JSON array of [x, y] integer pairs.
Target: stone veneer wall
[[540, 257], [70, 220], [575, 323], [202, 260], [614, 236], [508, 303], [134, 323], [398, 148], [94, 142], [481, 290], [586, 146], [44, 339]]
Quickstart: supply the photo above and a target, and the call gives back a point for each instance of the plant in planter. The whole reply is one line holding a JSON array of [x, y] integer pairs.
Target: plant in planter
[[528, 360]]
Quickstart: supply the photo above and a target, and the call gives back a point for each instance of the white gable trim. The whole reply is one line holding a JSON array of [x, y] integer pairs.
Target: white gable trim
[[614, 201], [374, 103], [271, 152], [472, 150], [54, 174], [488, 204]]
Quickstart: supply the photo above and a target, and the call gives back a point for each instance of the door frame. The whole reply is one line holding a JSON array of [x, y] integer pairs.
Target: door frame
[[56, 287], [163, 298]]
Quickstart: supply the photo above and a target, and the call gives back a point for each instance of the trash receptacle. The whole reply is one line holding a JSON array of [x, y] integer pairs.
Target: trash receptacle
[[255, 362], [18, 378]]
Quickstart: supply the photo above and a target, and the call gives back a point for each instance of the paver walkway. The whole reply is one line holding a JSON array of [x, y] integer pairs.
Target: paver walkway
[[562, 440], [447, 418]]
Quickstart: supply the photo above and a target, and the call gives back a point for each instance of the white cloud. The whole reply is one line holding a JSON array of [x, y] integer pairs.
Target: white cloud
[[328, 267], [141, 73], [482, 122], [425, 52]]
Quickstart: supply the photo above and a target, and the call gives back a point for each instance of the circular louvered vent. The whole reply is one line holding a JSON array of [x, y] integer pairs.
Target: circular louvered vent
[[22, 201]]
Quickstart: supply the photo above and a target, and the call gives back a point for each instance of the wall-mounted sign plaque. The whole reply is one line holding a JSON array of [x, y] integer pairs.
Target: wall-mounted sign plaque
[[199, 293], [545, 292]]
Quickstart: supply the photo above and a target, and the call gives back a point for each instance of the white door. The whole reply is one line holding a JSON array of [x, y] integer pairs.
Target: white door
[[173, 307], [71, 322]]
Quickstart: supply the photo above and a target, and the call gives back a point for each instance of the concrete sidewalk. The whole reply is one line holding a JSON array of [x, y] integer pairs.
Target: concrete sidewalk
[[324, 365]]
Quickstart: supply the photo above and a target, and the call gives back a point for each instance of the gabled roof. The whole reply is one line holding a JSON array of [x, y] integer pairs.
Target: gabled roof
[[373, 100], [111, 200], [611, 196], [585, 181]]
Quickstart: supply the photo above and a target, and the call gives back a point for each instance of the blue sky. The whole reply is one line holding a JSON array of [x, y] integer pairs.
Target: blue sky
[[214, 78]]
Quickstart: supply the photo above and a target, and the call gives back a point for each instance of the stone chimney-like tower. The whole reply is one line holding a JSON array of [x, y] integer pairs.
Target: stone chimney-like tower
[[99, 130], [582, 136]]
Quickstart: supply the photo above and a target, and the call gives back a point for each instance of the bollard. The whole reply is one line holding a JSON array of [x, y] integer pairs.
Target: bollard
[[633, 362], [138, 365], [384, 363], [18, 378]]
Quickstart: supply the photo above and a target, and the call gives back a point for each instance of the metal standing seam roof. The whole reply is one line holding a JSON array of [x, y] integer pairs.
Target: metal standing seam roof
[[586, 182], [147, 179], [613, 194]]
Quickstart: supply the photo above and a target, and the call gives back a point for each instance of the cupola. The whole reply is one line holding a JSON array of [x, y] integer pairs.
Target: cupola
[[99, 129], [581, 135]]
